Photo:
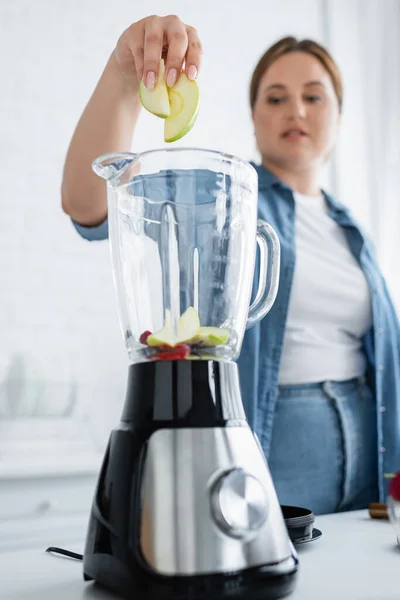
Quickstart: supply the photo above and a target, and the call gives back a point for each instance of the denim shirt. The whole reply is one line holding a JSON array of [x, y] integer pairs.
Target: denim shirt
[[260, 355]]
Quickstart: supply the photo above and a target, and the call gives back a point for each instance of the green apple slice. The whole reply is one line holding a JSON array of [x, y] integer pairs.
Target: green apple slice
[[164, 337], [211, 336], [184, 99], [156, 101], [188, 325]]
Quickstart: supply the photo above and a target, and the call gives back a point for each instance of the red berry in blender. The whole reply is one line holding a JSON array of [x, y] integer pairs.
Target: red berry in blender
[[176, 353], [394, 487], [144, 336]]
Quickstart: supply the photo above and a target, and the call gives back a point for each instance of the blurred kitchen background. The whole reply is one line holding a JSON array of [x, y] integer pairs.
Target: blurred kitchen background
[[62, 360]]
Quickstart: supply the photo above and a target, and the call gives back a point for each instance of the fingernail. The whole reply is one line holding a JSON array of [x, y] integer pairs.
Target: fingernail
[[192, 73], [151, 80], [171, 77]]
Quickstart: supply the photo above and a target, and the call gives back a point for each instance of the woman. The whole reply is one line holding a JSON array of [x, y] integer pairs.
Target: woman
[[320, 374]]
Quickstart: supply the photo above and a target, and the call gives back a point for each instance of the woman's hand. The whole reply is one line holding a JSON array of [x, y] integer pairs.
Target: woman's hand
[[141, 46]]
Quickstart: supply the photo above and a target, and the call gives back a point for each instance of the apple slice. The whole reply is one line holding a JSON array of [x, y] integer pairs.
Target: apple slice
[[164, 337], [211, 336], [188, 325], [184, 99], [156, 101]]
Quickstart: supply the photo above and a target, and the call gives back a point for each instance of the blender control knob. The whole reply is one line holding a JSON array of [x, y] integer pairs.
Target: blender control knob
[[239, 503]]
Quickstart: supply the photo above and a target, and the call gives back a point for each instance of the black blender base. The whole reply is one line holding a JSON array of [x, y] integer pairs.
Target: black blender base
[[251, 584], [169, 395]]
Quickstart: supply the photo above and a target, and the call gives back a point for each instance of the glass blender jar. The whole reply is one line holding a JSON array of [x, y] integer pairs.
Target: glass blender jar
[[183, 230]]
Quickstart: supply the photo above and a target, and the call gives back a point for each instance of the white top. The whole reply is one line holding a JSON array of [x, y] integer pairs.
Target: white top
[[330, 305], [355, 559]]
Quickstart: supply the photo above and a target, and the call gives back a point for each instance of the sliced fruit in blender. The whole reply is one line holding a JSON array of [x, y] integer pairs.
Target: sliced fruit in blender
[[143, 338], [188, 331], [176, 353], [184, 99], [211, 336], [188, 325], [156, 101], [164, 337]]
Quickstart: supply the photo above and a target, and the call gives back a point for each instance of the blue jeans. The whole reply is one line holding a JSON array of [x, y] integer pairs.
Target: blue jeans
[[323, 453]]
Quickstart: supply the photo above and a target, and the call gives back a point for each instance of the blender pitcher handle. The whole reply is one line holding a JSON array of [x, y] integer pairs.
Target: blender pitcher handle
[[268, 285]]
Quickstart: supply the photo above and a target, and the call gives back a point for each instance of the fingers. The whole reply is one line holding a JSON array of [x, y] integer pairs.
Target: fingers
[[194, 53], [177, 40], [141, 46], [153, 45]]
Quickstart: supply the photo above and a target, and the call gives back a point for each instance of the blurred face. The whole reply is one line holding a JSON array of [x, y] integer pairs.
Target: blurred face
[[296, 114]]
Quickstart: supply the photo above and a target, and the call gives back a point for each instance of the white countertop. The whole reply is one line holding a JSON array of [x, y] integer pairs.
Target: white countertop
[[356, 559]]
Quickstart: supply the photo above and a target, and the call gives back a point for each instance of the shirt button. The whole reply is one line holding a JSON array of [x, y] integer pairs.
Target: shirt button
[[382, 449], [380, 368], [380, 329], [383, 408]]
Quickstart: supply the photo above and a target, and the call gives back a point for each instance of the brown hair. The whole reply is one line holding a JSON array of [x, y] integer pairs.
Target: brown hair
[[291, 44]]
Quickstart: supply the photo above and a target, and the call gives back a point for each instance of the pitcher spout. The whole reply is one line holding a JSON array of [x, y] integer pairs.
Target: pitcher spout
[[112, 165]]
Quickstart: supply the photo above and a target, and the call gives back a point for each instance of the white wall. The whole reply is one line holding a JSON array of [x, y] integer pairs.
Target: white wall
[[62, 359], [364, 36]]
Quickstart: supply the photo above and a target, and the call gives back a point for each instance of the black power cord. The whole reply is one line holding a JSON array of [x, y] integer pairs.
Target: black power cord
[[55, 550]]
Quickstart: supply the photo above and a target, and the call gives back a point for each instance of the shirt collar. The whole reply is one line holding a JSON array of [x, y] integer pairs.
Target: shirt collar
[[266, 180]]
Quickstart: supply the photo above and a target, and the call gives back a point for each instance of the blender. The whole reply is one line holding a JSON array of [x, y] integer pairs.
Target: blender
[[184, 505]]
